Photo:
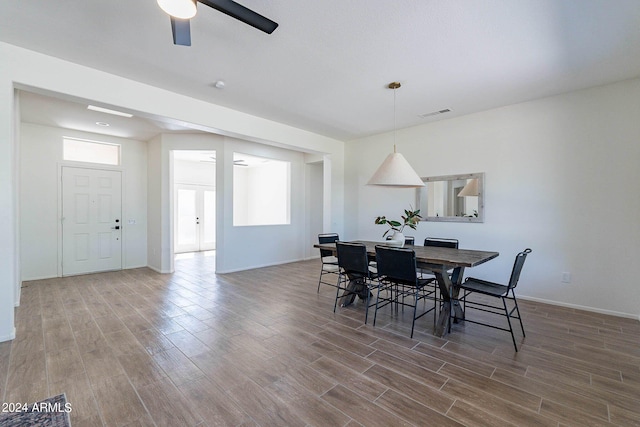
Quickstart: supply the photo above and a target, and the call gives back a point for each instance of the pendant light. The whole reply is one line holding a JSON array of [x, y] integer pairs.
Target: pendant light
[[470, 188], [395, 171]]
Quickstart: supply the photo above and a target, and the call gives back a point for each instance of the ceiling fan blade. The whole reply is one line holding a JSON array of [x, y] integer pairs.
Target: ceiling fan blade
[[181, 31], [241, 13]]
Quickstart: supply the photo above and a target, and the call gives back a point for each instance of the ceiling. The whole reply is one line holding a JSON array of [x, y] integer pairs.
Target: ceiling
[[326, 67]]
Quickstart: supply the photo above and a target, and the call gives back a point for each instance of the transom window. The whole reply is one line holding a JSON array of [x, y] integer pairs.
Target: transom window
[[82, 150]]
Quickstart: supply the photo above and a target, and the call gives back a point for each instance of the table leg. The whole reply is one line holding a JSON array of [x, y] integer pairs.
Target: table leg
[[356, 286], [449, 290], [456, 280]]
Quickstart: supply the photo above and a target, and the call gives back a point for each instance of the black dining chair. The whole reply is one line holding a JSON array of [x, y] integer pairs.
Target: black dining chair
[[398, 282], [329, 261], [472, 285], [438, 242], [441, 242], [355, 276]]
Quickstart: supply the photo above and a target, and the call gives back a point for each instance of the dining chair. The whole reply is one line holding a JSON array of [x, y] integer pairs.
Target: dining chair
[[398, 282], [329, 262], [440, 243], [472, 285], [355, 277], [408, 241]]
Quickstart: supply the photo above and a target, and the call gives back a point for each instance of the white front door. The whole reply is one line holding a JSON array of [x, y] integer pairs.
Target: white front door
[[195, 215], [91, 220]]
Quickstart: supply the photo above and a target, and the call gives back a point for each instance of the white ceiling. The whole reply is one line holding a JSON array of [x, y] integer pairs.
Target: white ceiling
[[327, 65]]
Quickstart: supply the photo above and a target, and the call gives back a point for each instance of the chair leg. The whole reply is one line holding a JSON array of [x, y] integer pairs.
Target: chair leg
[[506, 312], [366, 308], [320, 282], [335, 304], [415, 308], [518, 311], [375, 313]]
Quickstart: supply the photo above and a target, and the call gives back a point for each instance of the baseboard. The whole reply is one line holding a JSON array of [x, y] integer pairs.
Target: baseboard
[[157, 270], [32, 279], [258, 266], [9, 337], [17, 301], [131, 267], [581, 307]]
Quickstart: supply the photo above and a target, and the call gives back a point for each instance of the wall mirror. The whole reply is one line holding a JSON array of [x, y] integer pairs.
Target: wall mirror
[[454, 198]]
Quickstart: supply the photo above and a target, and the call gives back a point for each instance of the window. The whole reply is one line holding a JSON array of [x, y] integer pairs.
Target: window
[[80, 150], [261, 191]]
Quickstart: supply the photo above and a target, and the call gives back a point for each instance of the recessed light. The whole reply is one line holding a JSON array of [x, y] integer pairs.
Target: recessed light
[[108, 111], [102, 124]]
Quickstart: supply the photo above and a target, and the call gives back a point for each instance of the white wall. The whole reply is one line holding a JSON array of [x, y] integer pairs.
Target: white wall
[[314, 178], [562, 178], [155, 206], [9, 262], [194, 172], [40, 158], [255, 246]]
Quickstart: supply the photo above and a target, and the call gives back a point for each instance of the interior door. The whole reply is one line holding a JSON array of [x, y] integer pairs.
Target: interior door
[[195, 218], [91, 220]]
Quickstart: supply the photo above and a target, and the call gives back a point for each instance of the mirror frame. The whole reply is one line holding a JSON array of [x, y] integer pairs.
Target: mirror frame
[[479, 176]]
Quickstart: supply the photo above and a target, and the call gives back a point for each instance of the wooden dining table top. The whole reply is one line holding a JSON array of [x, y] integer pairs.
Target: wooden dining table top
[[434, 255]]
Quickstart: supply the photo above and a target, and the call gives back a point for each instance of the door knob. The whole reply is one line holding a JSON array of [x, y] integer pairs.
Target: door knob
[[117, 227]]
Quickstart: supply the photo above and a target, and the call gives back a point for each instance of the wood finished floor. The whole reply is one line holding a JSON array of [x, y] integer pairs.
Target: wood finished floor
[[262, 348]]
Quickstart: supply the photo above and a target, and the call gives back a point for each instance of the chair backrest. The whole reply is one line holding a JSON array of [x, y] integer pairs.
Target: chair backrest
[[441, 243], [396, 264], [517, 268], [327, 238], [352, 258]]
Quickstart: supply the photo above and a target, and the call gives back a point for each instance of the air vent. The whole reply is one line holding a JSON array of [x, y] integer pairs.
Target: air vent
[[435, 113]]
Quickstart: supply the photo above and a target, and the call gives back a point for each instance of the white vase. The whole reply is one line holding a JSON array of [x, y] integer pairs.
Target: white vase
[[397, 239]]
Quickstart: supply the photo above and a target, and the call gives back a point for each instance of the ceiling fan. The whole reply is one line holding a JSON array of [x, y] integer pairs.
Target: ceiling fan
[[181, 11]]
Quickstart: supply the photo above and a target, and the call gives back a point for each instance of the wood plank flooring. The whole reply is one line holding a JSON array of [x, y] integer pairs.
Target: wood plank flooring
[[262, 348]]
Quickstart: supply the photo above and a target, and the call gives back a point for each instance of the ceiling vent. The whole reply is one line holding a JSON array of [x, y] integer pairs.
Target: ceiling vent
[[435, 113]]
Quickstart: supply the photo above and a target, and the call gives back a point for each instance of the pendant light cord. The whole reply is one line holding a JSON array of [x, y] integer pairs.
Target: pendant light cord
[[394, 119], [394, 86]]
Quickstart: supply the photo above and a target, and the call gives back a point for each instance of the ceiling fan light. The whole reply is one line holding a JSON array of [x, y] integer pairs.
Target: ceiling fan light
[[181, 9]]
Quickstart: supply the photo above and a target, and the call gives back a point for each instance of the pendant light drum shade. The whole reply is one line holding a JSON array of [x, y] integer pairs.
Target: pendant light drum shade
[[181, 9]]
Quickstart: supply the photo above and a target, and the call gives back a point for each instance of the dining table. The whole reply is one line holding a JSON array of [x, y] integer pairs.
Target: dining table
[[446, 264]]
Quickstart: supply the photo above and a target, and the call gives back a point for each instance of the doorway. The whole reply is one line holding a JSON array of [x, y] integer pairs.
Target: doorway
[[194, 201], [195, 218], [91, 220]]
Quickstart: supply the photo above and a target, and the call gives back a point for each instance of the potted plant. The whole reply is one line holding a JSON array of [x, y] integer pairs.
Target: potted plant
[[410, 219]]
